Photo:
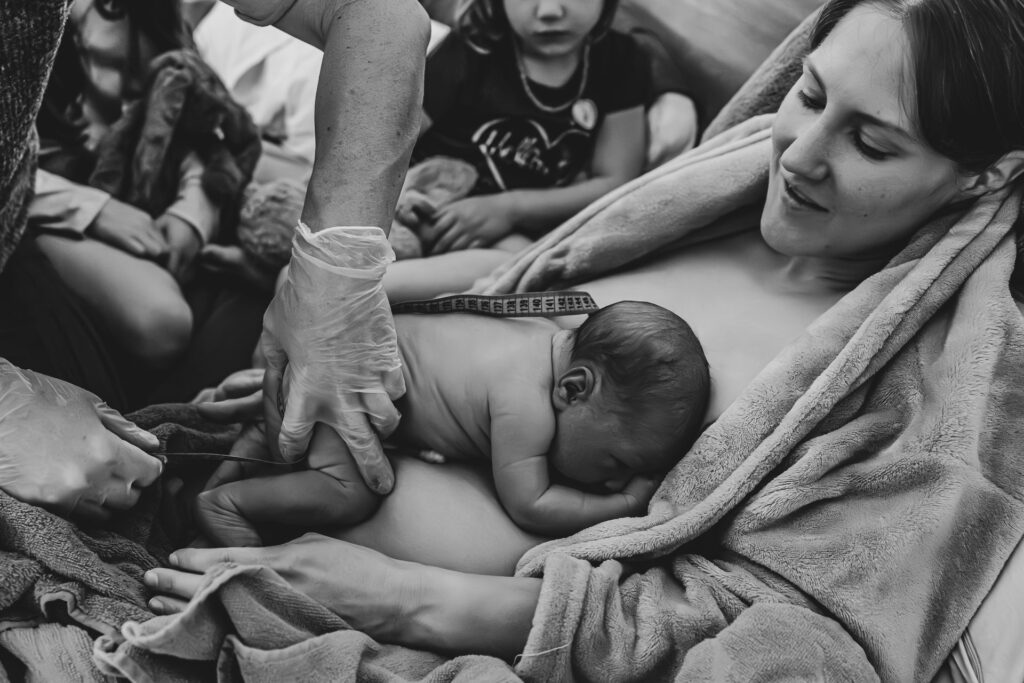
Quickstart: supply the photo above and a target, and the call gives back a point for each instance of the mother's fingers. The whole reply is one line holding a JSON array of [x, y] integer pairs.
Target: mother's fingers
[[241, 384], [241, 409], [165, 604], [201, 559], [173, 582]]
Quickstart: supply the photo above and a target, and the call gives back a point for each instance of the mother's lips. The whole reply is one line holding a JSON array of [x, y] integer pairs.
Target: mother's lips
[[801, 198]]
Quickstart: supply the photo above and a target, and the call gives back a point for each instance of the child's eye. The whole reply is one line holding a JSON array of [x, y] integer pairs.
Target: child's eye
[[810, 102], [867, 150]]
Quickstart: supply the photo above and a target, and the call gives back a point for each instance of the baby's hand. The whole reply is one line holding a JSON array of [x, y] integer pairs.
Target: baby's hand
[[639, 491]]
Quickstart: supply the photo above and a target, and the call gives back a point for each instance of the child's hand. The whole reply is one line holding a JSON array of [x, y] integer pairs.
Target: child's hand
[[470, 223], [231, 260], [415, 209], [129, 229], [639, 491], [183, 244]]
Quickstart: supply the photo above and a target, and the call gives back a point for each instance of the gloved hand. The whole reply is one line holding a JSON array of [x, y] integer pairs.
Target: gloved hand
[[63, 448], [330, 338]]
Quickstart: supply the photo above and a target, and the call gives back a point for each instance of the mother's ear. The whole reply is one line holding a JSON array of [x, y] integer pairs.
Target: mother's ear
[[576, 384], [1004, 172]]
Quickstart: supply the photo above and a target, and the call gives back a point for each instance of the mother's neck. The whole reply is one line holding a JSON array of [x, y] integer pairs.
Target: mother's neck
[[812, 274]]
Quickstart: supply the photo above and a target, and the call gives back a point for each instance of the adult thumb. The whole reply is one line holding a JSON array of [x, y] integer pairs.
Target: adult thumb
[[124, 428]]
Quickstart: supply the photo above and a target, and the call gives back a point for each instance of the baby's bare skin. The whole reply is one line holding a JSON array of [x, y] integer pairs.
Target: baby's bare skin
[[459, 367], [477, 389]]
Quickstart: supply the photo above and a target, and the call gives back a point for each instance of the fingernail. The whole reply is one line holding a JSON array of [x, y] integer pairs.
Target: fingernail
[[173, 560], [157, 605], [151, 579]]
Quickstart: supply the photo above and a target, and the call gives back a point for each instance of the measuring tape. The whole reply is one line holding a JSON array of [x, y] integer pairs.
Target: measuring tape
[[535, 305]]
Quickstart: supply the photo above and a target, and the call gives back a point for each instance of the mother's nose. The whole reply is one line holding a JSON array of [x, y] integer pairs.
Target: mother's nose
[[804, 152]]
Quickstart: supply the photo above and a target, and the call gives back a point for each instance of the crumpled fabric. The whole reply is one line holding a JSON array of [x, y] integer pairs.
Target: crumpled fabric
[[185, 109]]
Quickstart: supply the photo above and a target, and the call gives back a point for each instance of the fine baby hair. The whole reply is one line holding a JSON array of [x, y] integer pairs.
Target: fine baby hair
[[654, 365], [483, 23]]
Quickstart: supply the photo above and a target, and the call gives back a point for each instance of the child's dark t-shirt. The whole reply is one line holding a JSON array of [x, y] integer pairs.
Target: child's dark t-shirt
[[482, 113]]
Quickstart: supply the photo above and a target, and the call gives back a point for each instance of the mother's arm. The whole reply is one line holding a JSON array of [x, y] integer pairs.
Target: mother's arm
[[393, 601]]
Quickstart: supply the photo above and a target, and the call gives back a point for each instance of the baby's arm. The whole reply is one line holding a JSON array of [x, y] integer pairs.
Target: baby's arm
[[330, 493], [520, 439]]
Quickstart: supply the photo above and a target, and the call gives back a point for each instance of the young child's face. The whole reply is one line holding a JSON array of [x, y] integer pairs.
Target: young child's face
[[593, 448], [552, 28]]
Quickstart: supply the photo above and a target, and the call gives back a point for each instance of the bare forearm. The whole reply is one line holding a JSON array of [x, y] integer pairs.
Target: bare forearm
[[537, 211], [469, 613], [367, 106]]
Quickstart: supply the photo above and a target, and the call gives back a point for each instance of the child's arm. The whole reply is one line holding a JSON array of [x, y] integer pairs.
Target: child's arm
[[481, 221], [618, 158], [519, 443]]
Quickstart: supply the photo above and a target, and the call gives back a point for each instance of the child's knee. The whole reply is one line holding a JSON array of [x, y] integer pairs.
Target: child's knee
[[160, 331]]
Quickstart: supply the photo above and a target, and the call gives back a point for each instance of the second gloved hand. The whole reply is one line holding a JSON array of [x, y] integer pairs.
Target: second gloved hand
[[330, 338]]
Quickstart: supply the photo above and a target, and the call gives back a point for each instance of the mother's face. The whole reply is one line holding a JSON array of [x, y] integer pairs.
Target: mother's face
[[850, 175]]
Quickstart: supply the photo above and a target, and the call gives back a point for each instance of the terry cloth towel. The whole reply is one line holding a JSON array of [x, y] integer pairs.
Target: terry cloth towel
[[88, 578], [185, 109]]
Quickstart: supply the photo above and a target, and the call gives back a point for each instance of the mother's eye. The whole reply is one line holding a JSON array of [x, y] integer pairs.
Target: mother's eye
[[809, 101], [867, 150]]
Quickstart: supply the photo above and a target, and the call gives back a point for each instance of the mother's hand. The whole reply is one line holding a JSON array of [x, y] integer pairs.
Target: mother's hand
[[63, 448], [370, 591]]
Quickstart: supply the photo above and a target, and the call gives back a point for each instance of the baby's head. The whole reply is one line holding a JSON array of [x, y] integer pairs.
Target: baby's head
[[630, 397]]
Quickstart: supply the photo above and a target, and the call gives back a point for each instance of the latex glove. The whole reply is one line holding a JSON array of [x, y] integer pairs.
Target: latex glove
[[63, 448], [329, 336]]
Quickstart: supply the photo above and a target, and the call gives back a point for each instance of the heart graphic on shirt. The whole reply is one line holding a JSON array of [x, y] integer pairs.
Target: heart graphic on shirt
[[519, 152]]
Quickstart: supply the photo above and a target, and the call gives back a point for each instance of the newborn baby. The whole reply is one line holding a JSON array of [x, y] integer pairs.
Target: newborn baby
[[579, 425]]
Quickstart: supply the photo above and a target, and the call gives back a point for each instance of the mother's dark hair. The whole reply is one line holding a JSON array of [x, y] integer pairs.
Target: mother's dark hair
[[968, 62], [483, 23]]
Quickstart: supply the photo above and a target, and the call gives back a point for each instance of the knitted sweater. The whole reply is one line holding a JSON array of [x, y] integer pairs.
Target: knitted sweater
[[30, 31]]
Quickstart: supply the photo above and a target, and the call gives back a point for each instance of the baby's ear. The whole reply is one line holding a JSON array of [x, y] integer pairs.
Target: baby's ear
[[576, 384]]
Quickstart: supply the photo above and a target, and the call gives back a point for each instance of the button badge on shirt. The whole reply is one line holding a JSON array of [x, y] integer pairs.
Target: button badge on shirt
[[584, 113]]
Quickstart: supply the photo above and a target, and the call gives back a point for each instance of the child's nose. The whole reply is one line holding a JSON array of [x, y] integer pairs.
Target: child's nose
[[550, 9]]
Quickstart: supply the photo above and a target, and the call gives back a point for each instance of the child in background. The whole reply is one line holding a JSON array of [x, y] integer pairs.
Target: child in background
[[105, 249], [546, 102], [578, 425]]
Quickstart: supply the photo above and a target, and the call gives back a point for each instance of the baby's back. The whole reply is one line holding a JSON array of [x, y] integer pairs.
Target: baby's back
[[453, 364]]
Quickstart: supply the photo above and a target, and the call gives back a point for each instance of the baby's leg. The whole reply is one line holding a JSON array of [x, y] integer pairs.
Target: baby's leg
[[332, 493]]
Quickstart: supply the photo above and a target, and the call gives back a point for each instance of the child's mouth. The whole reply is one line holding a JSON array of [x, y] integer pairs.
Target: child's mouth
[[552, 36]]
